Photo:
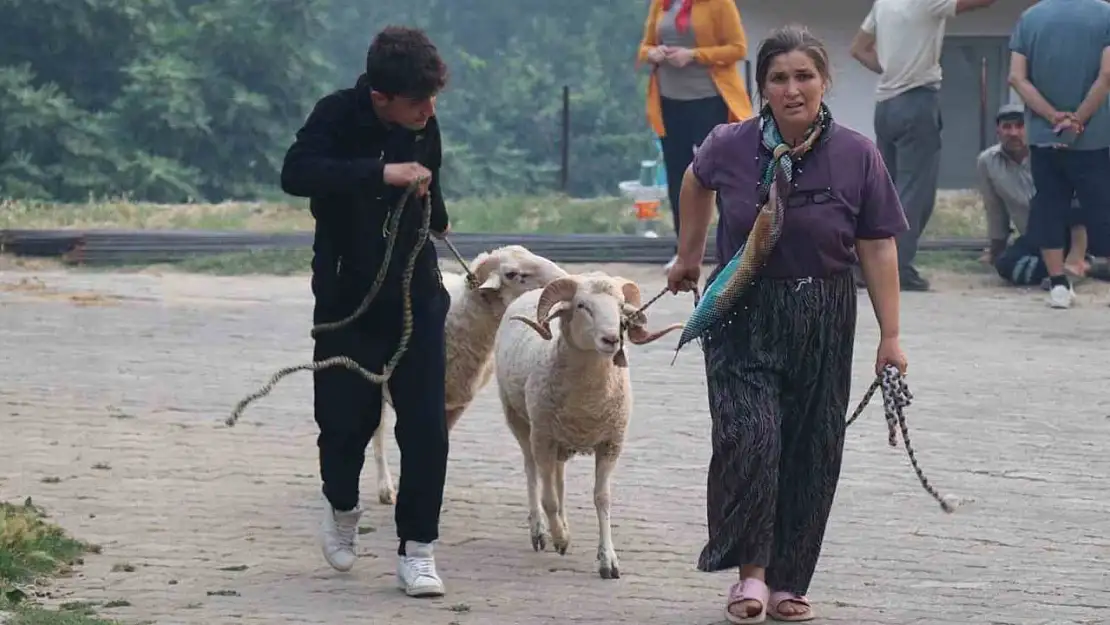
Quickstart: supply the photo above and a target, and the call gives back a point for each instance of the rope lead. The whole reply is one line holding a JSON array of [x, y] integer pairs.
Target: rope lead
[[896, 397], [392, 229]]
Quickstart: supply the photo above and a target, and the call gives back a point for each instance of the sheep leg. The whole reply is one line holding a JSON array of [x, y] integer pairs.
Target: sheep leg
[[536, 524], [387, 494], [605, 463], [561, 485], [547, 464]]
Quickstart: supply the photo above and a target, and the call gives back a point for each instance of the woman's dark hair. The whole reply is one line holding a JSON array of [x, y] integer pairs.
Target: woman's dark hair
[[785, 40], [402, 61]]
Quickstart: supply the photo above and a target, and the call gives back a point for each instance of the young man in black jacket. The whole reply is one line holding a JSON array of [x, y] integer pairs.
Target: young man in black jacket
[[358, 151]]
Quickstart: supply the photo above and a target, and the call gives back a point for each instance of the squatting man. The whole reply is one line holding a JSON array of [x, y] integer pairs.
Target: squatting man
[[1006, 186], [358, 151]]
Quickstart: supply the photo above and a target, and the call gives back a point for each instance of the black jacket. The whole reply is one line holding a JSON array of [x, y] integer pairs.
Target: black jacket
[[337, 161]]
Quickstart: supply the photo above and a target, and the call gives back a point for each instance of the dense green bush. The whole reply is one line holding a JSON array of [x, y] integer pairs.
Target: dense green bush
[[177, 100]]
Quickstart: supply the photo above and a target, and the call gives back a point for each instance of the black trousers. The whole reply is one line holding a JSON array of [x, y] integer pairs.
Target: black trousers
[[686, 123], [1059, 175], [1021, 263], [779, 374], [348, 410]]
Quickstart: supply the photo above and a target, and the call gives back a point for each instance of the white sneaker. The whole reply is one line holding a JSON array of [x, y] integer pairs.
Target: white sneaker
[[339, 536], [416, 571], [1061, 296]]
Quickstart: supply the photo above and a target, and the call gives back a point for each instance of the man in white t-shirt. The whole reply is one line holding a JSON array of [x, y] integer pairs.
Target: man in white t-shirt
[[900, 40]]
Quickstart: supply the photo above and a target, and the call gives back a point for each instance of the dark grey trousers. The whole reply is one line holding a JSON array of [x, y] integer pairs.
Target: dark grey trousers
[[779, 374], [907, 131]]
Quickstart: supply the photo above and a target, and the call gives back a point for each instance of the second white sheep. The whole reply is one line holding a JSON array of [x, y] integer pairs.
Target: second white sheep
[[565, 390], [504, 274]]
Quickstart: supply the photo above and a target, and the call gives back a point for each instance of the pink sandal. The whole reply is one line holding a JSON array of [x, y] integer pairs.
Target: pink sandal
[[750, 589], [779, 597]]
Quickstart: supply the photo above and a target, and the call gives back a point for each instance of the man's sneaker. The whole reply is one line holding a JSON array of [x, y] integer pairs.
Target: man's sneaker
[[1061, 296], [416, 571], [339, 536]]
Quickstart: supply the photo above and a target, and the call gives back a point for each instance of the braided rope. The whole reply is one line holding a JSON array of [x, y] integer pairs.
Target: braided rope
[[896, 397], [636, 318], [391, 230]]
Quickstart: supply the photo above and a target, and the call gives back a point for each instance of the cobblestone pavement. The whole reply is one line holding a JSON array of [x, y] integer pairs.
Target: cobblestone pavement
[[115, 386]]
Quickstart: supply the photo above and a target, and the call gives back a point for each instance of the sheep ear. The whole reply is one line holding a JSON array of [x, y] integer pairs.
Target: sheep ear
[[492, 283], [484, 266], [631, 292], [559, 309], [541, 328]]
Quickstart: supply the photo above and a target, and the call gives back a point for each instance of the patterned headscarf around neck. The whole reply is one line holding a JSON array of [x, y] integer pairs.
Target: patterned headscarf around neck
[[782, 151]]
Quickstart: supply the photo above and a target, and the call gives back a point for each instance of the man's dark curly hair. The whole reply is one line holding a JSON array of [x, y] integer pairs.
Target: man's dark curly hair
[[402, 61]]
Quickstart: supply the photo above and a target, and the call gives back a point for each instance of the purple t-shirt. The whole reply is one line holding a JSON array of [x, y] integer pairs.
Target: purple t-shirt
[[841, 192]]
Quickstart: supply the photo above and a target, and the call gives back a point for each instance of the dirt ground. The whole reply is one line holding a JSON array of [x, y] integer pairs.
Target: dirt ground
[[115, 387]]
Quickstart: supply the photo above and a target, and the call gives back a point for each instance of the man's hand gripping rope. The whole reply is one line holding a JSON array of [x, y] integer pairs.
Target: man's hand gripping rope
[[392, 229]]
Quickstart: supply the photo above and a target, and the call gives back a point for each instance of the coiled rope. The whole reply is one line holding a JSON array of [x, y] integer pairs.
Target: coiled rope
[[391, 230], [896, 397]]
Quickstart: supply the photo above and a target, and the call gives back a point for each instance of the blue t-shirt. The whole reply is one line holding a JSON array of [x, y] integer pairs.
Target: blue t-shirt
[[1063, 41]]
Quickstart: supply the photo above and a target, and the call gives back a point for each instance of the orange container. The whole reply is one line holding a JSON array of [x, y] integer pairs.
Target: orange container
[[646, 209]]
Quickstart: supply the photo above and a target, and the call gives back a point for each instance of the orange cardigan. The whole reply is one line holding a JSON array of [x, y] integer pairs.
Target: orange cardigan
[[721, 45]]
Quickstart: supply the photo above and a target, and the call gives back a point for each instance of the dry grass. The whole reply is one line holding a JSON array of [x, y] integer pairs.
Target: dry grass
[[957, 214], [34, 288], [550, 214]]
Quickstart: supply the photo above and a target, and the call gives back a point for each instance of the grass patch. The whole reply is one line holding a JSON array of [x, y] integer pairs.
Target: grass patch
[[287, 262], [957, 262], [957, 214], [272, 262], [33, 550], [551, 214]]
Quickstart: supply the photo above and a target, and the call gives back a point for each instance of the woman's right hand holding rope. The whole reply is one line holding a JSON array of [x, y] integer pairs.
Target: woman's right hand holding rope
[[683, 276]]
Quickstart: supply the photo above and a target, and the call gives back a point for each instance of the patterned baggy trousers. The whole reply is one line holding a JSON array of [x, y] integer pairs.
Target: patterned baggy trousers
[[779, 377]]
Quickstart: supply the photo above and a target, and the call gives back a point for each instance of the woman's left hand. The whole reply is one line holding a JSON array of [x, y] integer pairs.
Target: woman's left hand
[[680, 57], [890, 353]]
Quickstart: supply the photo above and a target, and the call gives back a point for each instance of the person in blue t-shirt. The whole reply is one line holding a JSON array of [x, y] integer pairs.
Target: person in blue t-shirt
[[1060, 66]]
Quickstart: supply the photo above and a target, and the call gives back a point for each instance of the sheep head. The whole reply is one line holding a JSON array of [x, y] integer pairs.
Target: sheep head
[[595, 309], [508, 272]]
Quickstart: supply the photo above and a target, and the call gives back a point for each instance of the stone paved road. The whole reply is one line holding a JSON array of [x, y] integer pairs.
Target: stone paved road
[[120, 399]]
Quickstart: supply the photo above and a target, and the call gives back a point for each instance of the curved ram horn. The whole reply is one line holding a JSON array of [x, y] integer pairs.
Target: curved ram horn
[[638, 335]]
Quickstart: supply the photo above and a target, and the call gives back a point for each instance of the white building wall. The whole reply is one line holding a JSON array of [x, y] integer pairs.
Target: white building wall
[[836, 23]]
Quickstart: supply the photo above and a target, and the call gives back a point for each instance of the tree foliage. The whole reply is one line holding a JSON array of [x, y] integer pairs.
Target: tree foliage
[[177, 100]]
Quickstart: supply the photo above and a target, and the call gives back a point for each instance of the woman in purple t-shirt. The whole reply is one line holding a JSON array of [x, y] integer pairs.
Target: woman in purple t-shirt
[[779, 367]]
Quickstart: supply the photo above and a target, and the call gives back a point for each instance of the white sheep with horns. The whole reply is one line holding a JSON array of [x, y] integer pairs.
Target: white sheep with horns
[[503, 274], [565, 390]]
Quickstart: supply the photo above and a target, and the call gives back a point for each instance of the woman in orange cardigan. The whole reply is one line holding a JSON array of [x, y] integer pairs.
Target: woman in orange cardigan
[[694, 47]]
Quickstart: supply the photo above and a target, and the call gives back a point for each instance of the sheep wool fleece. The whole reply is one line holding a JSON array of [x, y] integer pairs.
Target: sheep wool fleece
[[779, 378]]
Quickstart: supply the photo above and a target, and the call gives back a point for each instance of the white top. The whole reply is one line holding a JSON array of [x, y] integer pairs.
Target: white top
[[908, 39]]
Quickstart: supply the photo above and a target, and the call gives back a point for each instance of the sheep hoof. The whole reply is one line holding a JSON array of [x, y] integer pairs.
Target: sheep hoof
[[387, 496], [539, 532], [539, 542], [561, 545], [607, 565]]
